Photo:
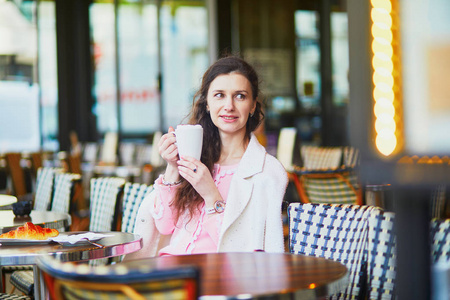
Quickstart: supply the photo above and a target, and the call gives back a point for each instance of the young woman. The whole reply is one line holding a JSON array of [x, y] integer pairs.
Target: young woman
[[230, 199]]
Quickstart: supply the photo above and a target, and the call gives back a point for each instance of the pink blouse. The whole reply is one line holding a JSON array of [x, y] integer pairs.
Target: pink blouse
[[199, 234]]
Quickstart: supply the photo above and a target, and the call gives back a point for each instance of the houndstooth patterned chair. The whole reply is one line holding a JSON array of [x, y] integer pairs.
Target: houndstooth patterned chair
[[440, 240], [337, 232], [381, 256], [44, 187], [134, 193], [104, 194]]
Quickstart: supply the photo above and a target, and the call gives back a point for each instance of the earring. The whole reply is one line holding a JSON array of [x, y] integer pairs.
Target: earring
[[251, 114]]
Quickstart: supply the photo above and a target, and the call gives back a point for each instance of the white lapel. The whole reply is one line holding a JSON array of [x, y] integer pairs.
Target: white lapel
[[241, 187]]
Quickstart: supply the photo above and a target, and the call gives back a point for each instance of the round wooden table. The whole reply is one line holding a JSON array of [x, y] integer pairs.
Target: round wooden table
[[48, 219], [258, 274]]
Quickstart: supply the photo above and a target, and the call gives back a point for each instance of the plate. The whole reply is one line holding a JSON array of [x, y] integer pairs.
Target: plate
[[65, 238], [6, 242]]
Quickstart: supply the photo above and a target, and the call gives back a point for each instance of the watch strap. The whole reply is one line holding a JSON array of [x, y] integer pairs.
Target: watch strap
[[210, 210]]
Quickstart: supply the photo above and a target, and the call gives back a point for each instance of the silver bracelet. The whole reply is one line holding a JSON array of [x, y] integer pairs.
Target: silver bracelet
[[170, 183]]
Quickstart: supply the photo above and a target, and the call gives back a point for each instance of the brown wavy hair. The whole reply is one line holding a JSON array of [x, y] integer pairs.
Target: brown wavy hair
[[187, 197]]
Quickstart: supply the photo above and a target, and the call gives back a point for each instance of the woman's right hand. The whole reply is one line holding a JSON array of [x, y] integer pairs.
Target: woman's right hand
[[167, 147]]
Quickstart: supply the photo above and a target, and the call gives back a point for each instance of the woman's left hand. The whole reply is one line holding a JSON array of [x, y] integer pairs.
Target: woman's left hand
[[198, 175]]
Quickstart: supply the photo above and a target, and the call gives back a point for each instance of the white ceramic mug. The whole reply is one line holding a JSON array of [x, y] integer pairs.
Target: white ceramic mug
[[189, 140]]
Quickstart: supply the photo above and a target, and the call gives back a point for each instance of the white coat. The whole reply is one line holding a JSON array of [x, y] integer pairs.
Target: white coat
[[252, 219]]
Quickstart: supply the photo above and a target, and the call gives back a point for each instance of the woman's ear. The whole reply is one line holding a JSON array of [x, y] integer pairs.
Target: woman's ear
[[254, 107]]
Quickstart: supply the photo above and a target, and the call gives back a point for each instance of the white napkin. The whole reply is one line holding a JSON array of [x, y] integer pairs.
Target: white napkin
[[74, 238]]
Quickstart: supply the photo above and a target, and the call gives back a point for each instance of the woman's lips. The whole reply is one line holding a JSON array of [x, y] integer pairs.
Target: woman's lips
[[228, 118]]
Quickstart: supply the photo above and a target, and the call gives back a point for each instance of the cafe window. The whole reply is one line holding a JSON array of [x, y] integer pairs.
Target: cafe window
[[184, 39], [159, 44], [102, 20], [28, 95], [308, 74], [47, 72], [308, 59], [340, 58]]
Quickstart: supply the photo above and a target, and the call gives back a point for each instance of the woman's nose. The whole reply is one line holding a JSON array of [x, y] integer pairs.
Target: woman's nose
[[229, 105]]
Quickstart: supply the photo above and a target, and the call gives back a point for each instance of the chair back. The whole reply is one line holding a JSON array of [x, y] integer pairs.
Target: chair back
[[44, 187], [143, 154], [90, 152], [333, 186], [350, 157], [288, 150], [36, 162], [440, 240], [62, 196], [108, 151], [337, 232], [133, 195], [438, 201], [321, 157], [127, 152], [79, 281], [381, 256], [104, 194], [16, 174], [74, 162]]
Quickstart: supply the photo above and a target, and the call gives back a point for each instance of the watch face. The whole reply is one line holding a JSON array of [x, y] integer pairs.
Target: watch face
[[219, 206]]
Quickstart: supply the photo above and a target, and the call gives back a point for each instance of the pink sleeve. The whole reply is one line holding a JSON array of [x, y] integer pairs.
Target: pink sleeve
[[162, 212], [212, 224]]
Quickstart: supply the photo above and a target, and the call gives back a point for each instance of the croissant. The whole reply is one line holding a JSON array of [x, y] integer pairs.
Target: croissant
[[30, 232]]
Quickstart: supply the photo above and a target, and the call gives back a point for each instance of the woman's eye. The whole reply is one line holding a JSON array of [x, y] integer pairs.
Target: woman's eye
[[240, 96], [218, 95]]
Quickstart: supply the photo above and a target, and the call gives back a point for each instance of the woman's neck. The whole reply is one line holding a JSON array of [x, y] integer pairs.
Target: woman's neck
[[233, 148]]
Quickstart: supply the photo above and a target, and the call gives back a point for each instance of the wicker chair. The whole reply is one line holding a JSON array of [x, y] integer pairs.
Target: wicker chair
[[44, 187], [22, 277], [381, 258], [329, 175], [440, 240], [71, 281], [4, 296], [134, 193], [104, 194], [337, 232]]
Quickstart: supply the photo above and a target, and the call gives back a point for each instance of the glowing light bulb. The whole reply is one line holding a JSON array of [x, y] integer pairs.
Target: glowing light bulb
[[383, 77]]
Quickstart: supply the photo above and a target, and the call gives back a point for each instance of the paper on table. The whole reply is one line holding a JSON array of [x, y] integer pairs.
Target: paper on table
[[74, 238]]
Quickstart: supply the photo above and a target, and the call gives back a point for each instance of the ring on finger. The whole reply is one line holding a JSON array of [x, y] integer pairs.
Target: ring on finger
[[195, 170]]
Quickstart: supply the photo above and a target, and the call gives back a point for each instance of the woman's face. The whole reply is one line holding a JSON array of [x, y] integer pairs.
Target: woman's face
[[230, 101]]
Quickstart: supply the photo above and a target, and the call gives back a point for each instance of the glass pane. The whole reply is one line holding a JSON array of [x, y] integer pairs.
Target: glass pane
[[339, 47], [19, 94], [138, 56], [104, 90], [308, 75], [308, 59], [48, 78], [184, 34]]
